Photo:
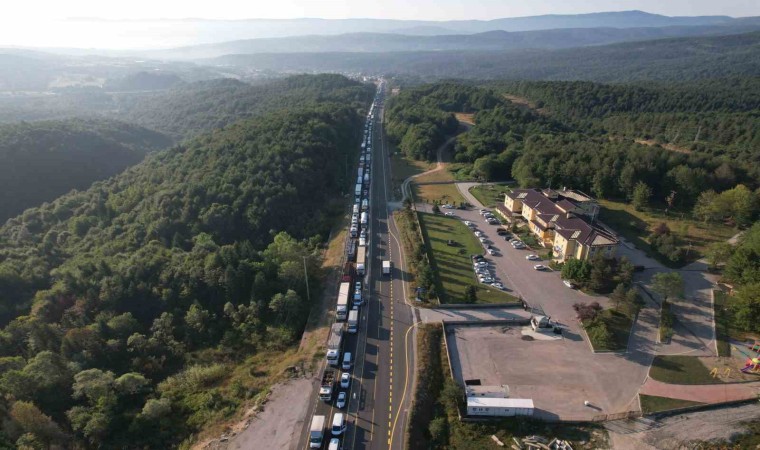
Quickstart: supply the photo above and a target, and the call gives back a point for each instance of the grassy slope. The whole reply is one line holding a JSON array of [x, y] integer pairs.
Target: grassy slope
[[652, 404], [490, 194], [678, 369], [452, 264], [637, 225], [619, 326]]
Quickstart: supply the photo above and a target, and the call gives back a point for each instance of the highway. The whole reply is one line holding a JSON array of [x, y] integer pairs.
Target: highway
[[383, 349]]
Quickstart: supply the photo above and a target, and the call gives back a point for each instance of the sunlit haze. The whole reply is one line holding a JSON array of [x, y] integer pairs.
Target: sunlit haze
[[60, 24]]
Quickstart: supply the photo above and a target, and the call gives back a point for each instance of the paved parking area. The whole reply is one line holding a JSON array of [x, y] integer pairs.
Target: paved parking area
[[539, 289], [558, 374], [459, 314]]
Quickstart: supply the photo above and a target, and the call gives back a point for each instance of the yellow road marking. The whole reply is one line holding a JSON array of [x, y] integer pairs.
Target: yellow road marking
[[406, 378]]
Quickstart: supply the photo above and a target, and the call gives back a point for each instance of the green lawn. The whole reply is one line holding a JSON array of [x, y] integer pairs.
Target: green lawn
[[490, 195], [619, 326], [636, 226], [679, 369], [722, 323], [452, 264], [652, 404]]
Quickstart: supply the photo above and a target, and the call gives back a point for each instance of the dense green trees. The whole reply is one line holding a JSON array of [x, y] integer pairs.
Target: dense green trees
[[42, 160], [125, 306]]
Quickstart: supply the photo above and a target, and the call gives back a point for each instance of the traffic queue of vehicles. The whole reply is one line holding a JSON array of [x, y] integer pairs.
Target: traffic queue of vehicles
[[350, 295]]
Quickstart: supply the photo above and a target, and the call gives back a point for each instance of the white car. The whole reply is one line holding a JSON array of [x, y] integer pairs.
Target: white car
[[482, 264], [467, 222], [340, 403], [540, 267], [518, 245], [568, 283], [449, 213], [492, 251], [478, 233], [498, 285], [345, 380], [482, 239], [447, 206], [487, 280], [532, 257]]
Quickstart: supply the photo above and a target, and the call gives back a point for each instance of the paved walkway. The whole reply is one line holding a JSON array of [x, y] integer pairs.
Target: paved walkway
[[704, 393]]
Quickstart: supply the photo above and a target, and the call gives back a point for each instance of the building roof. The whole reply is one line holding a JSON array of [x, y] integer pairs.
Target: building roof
[[494, 402], [579, 230], [566, 205]]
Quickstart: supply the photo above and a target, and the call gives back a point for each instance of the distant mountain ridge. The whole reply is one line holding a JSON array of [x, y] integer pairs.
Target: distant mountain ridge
[[485, 41], [154, 34]]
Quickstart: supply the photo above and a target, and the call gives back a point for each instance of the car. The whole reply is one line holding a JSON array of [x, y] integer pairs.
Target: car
[[340, 403], [478, 233], [482, 270], [513, 240], [568, 283], [518, 245], [363, 234], [482, 239], [483, 211], [447, 206], [501, 231], [467, 222], [492, 251], [449, 213], [478, 257], [345, 380], [358, 286], [334, 444], [487, 280], [482, 263], [498, 285], [540, 267], [532, 257]]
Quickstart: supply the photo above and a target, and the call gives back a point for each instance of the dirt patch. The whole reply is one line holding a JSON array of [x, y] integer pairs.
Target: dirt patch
[[276, 423], [525, 103], [465, 118], [678, 431], [670, 147], [728, 368]]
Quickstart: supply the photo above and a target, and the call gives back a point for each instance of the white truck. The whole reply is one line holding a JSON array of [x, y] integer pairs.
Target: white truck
[[361, 260], [327, 385], [341, 310], [364, 219], [333, 344], [386, 267], [365, 204], [358, 189], [353, 321], [317, 431]]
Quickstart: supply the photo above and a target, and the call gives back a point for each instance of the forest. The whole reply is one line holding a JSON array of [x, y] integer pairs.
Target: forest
[[126, 306], [40, 161]]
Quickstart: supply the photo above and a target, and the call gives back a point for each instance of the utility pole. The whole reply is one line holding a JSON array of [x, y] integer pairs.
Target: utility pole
[[306, 275]]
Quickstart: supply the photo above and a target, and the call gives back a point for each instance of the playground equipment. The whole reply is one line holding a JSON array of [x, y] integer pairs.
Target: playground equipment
[[752, 366], [755, 347]]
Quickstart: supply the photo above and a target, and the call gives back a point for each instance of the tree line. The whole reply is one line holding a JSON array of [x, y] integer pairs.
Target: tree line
[[125, 306]]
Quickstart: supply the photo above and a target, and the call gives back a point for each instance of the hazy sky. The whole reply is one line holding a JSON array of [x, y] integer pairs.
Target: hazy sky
[[334, 9], [42, 23]]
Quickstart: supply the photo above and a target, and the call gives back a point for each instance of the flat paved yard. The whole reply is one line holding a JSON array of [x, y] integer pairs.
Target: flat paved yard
[[446, 314], [558, 374], [539, 289]]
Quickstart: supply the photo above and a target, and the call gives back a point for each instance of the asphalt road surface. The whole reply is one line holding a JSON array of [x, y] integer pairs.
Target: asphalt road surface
[[383, 349]]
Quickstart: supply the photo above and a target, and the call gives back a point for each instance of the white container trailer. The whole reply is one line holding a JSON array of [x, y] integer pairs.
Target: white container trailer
[[358, 189], [501, 407], [341, 310], [361, 260], [317, 431]]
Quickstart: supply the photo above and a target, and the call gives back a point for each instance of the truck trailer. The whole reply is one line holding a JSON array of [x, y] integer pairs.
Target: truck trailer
[[361, 260], [341, 309], [334, 343]]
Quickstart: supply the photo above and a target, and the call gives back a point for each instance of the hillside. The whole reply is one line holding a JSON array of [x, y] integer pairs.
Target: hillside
[[202, 106], [43, 160], [498, 40], [148, 289], [662, 59]]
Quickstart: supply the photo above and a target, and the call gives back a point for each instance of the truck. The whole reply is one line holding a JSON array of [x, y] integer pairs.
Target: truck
[[358, 190], [316, 431], [364, 219], [386, 267], [366, 178], [348, 272], [333, 344], [327, 385], [361, 260], [365, 204], [353, 321], [341, 310]]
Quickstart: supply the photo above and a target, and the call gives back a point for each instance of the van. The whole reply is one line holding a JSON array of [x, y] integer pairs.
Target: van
[[334, 444], [338, 424], [346, 361]]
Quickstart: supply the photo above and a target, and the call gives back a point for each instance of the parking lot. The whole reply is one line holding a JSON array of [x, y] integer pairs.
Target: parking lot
[[543, 289], [559, 374]]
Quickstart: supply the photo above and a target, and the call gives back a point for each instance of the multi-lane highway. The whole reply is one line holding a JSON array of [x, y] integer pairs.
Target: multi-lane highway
[[383, 349]]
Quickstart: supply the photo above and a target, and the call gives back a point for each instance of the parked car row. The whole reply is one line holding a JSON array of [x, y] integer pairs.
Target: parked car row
[[484, 272], [489, 217]]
